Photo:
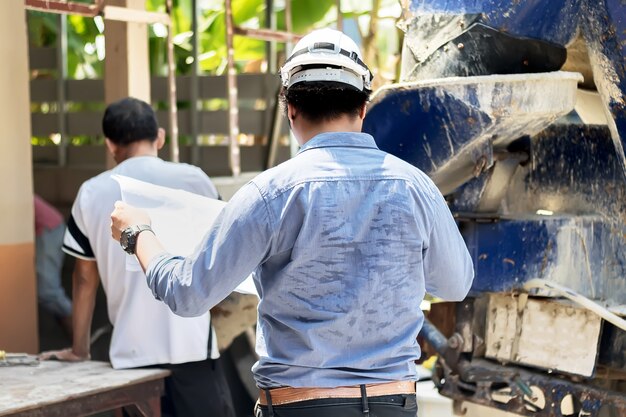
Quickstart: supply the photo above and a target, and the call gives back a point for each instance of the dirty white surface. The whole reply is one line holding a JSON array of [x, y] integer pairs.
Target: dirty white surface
[[590, 107], [542, 333], [475, 410], [27, 387], [430, 403]]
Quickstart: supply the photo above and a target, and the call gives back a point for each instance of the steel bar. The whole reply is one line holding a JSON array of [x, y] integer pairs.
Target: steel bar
[[270, 23], [171, 81], [194, 85], [293, 143], [97, 8], [274, 138], [339, 16], [61, 89], [480, 379], [63, 7], [124, 14], [233, 109], [266, 34]]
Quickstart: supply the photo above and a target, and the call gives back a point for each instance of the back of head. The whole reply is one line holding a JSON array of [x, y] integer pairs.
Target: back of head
[[129, 120], [325, 77]]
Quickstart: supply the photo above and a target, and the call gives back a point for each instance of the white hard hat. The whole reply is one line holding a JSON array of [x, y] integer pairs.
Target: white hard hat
[[326, 55]]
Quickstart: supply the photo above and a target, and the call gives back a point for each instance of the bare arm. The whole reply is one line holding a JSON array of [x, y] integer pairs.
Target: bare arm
[[148, 246], [85, 282]]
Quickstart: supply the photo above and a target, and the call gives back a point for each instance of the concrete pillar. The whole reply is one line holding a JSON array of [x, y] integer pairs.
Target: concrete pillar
[[127, 64], [18, 298]]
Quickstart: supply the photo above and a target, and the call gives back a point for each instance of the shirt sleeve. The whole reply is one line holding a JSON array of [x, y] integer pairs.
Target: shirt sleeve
[[236, 244], [75, 242], [448, 267]]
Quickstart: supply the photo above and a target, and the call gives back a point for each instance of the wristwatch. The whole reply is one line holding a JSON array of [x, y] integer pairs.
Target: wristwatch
[[128, 238]]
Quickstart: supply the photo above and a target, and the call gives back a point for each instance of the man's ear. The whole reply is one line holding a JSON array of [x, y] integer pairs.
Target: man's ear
[[160, 140], [363, 111], [291, 113], [112, 147]]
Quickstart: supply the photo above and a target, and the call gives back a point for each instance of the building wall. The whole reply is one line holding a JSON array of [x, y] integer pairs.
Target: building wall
[[18, 302]]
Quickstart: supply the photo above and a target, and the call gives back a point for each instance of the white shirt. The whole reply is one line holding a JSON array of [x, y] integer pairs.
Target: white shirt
[[145, 331]]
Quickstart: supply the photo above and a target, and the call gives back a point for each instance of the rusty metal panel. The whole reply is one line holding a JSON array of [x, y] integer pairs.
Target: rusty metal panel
[[543, 333], [84, 123], [85, 90], [44, 124], [42, 58], [249, 86], [43, 90], [159, 88], [87, 156]]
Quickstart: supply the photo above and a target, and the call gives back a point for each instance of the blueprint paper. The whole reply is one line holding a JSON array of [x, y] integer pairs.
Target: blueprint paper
[[179, 218]]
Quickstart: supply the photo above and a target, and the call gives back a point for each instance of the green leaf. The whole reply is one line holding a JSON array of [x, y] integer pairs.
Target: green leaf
[[244, 10], [305, 13]]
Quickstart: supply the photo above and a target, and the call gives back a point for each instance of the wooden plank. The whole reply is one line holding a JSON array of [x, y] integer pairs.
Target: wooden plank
[[212, 87], [45, 155], [59, 185], [547, 334], [85, 91], [252, 122], [216, 122], [42, 58], [252, 86], [124, 14], [159, 88], [44, 124], [267, 35], [143, 396], [87, 156], [43, 90], [84, 123], [30, 390]]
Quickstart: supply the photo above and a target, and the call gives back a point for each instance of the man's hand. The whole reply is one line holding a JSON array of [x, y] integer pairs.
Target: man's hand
[[65, 355], [125, 216]]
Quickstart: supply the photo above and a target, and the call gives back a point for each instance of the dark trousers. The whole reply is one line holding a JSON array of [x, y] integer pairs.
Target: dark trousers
[[196, 389], [402, 405]]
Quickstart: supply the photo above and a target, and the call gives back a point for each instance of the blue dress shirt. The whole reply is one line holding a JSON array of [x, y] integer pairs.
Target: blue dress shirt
[[344, 240]]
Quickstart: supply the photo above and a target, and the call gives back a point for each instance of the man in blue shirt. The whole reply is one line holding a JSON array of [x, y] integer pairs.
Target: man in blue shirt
[[343, 240]]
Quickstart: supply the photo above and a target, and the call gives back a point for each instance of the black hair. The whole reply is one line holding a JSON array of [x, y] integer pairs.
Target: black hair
[[129, 120], [320, 101]]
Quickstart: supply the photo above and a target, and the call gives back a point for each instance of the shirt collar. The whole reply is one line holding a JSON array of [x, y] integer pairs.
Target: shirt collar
[[340, 139]]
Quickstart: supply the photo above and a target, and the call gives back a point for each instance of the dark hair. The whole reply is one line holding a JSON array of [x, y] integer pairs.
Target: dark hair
[[324, 100], [129, 120]]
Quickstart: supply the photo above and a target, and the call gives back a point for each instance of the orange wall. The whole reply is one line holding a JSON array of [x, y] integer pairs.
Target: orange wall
[[18, 311], [18, 300]]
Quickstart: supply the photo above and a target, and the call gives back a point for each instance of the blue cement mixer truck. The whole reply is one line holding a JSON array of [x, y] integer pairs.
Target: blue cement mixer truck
[[516, 109]]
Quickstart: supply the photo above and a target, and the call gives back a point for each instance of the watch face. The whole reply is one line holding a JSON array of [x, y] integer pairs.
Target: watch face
[[124, 237]]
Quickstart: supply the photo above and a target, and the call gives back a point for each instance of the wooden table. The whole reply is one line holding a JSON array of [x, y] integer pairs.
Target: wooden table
[[63, 389]]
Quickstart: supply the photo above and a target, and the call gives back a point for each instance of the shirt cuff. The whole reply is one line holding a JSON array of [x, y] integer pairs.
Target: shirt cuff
[[157, 272]]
